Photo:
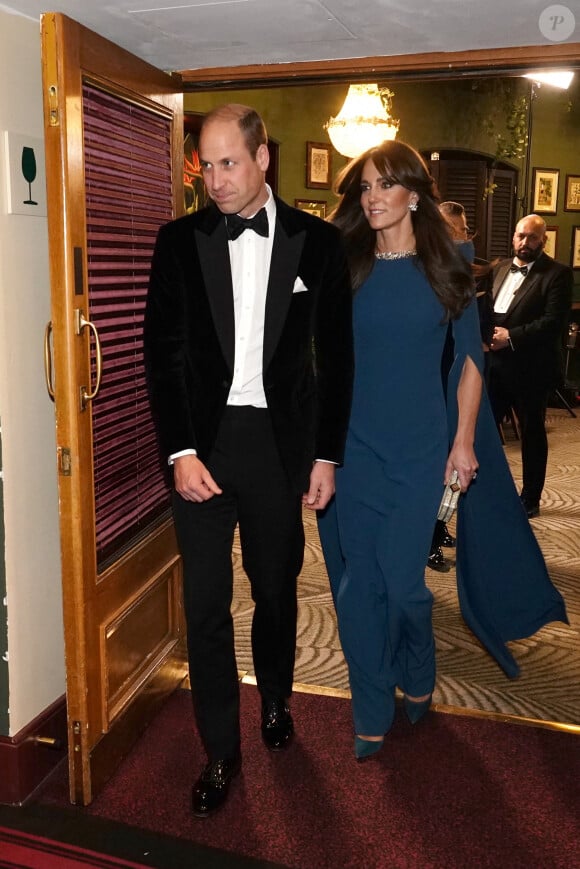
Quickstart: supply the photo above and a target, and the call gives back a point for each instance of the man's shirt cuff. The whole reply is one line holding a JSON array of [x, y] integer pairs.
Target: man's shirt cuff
[[174, 456]]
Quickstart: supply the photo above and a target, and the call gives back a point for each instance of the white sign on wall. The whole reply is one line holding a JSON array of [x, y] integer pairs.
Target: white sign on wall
[[25, 174]]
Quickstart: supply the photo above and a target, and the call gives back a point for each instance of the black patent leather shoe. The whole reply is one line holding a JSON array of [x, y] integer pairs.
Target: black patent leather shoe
[[447, 539], [277, 725], [437, 561], [211, 789]]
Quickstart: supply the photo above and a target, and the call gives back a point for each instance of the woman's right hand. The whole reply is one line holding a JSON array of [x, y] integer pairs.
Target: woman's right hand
[[462, 458]]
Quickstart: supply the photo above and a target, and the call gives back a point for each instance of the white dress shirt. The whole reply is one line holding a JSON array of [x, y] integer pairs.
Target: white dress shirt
[[250, 256], [511, 284]]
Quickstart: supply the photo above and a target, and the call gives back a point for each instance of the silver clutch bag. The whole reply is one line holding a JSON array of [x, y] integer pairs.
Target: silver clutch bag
[[450, 498]]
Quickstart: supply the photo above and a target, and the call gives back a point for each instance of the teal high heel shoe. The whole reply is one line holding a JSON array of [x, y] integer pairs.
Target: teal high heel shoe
[[416, 710], [365, 748]]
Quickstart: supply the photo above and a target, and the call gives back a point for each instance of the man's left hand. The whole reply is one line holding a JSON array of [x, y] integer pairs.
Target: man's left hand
[[321, 486]]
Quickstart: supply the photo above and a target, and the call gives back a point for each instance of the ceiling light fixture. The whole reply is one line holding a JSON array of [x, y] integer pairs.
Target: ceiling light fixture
[[364, 120], [558, 78]]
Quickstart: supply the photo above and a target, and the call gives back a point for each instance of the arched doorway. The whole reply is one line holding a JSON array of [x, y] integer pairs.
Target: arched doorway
[[486, 188]]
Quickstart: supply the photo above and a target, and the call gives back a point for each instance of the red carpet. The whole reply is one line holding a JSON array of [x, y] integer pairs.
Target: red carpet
[[23, 851], [451, 792]]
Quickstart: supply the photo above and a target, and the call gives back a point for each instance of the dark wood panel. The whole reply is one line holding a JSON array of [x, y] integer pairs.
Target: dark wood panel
[[488, 194], [501, 214], [29, 757]]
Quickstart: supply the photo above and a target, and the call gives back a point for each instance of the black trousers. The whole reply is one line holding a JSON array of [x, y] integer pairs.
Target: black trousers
[[258, 496], [529, 400]]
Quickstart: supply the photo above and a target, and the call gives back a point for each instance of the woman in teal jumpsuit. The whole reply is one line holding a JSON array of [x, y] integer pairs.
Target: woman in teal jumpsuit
[[413, 288]]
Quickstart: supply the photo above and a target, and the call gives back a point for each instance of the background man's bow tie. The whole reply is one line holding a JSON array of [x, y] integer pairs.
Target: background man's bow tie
[[235, 224], [522, 269]]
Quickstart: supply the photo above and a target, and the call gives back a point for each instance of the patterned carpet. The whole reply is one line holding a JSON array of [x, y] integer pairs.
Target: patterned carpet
[[548, 688]]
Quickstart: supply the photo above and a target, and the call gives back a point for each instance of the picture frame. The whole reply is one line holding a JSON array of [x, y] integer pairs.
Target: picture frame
[[575, 258], [572, 193], [318, 165], [545, 190], [312, 206], [551, 241]]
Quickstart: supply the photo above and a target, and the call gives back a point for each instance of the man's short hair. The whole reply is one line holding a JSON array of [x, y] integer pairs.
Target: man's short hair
[[249, 122]]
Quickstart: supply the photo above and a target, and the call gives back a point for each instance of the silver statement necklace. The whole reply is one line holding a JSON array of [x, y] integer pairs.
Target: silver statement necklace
[[395, 254]]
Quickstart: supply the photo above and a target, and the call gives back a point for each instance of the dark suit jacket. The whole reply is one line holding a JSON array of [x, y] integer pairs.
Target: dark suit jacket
[[483, 274], [307, 362], [536, 320]]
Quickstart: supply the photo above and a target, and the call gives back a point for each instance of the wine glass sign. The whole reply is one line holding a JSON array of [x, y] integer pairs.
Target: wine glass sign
[[29, 172], [25, 174]]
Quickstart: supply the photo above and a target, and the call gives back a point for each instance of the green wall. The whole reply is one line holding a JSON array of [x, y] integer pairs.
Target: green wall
[[556, 145], [456, 114], [472, 114]]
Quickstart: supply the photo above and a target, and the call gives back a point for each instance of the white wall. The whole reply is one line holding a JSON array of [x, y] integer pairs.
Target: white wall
[[36, 669]]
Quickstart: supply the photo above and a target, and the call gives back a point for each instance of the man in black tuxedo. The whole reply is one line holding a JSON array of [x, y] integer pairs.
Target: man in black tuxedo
[[248, 340], [532, 297]]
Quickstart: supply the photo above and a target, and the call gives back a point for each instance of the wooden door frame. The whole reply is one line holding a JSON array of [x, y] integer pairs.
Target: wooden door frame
[[438, 65], [71, 55]]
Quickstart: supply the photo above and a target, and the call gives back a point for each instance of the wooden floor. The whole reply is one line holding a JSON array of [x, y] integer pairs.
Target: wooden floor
[[548, 688]]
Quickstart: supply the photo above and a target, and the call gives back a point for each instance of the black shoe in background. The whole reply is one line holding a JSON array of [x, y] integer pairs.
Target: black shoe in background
[[532, 508], [437, 561], [446, 538]]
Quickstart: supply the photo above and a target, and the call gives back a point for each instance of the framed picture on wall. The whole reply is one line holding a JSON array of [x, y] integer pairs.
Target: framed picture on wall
[[313, 206], [318, 165], [551, 241], [575, 262], [545, 190], [572, 197]]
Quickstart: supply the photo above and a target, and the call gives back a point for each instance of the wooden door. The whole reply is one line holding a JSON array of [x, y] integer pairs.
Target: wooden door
[[114, 142], [501, 213], [464, 181], [486, 191]]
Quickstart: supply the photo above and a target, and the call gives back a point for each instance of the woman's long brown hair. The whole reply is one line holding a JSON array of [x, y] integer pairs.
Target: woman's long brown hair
[[446, 270]]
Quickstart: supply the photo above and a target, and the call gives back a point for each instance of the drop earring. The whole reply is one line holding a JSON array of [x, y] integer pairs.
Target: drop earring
[[413, 205]]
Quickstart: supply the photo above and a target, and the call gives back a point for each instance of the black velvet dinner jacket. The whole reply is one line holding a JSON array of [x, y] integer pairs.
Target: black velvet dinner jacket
[[536, 320], [307, 359]]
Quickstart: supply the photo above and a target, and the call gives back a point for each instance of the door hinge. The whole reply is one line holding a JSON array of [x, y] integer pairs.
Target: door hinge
[[53, 106], [77, 737], [64, 461]]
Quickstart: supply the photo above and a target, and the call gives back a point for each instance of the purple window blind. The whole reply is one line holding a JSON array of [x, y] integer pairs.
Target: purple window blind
[[128, 175]]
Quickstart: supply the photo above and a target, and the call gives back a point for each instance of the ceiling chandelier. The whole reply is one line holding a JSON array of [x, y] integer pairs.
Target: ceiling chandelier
[[364, 120]]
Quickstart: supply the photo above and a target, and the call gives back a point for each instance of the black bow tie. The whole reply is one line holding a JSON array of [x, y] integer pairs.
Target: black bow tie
[[523, 269], [235, 224]]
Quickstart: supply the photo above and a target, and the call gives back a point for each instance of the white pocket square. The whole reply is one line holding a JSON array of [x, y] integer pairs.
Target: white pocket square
[[299, 286]]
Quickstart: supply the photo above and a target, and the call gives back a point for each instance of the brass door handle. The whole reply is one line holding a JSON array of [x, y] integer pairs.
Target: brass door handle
[[80, 323], [48, 360]]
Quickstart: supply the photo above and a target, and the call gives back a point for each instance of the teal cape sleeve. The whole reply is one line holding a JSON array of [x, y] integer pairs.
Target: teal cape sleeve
[[503, 586], [504, 590]]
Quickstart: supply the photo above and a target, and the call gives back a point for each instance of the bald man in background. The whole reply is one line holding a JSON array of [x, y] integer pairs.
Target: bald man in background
[[532, 295]]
